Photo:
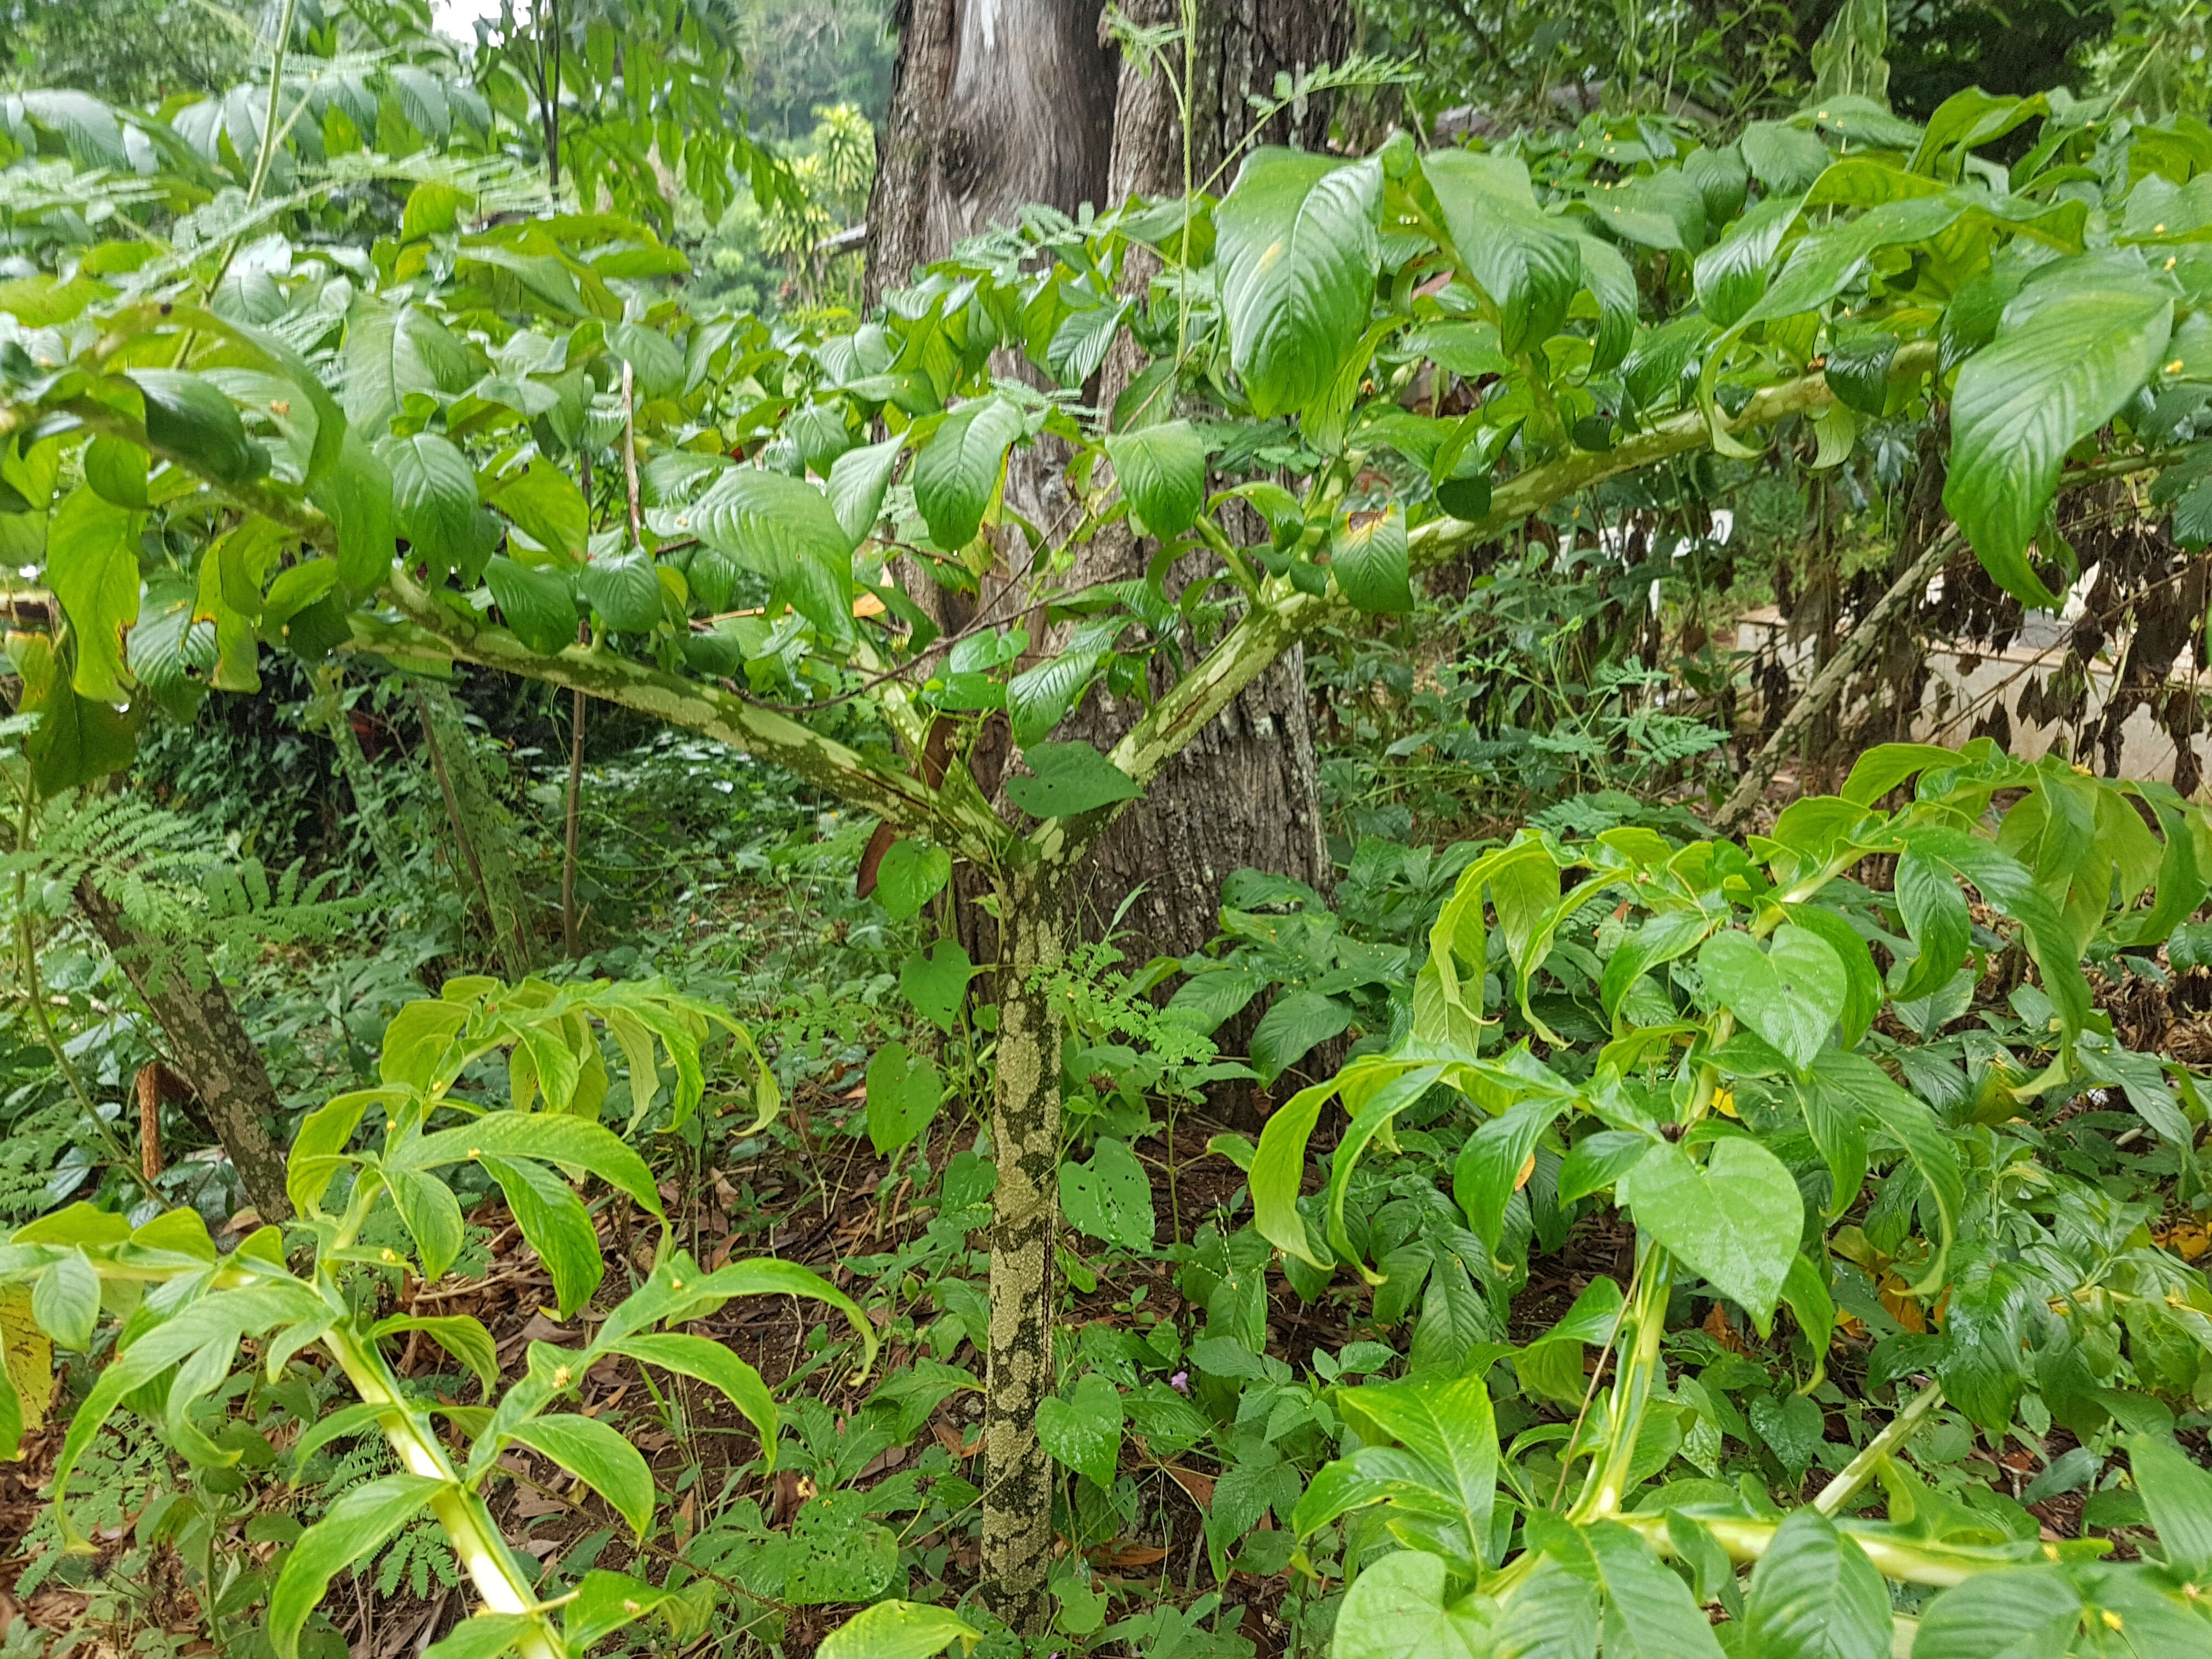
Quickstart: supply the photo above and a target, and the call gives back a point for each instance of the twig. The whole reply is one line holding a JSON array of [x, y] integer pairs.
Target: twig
[[1857, 1473], [1828, 684]]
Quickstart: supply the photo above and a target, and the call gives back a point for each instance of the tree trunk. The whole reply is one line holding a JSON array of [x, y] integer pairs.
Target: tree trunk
[[208, 1044], [1018, 1478], [1245, 794], [996, 105], [482, 829]]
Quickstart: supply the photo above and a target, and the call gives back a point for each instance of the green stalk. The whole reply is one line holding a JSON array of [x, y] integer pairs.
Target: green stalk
[[1632, 1386], [1940, 1565], [469, 1527], [1861, 1469]]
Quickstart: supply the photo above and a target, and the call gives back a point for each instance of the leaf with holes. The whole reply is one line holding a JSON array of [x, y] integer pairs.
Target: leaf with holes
[[1109, 1198]]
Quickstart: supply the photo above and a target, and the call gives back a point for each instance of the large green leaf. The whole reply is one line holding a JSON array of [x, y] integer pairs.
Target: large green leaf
[[1529, 264], [1398, 1608], [1736, 1220], [1791, 994], [957, 473], [1293, 1024], [433, 491], [897, 1630], [191, 419], [538, 605], [91, 561], [1298, 249], [1815, 1596], [1110, 1197], [1446, 1423], [786, 530], [1162, 472], [1070, 778], [624, 589], [547, 507], [2070, 351], [2178, 1494], [391, 351], [1369, 553], [904, 1092]]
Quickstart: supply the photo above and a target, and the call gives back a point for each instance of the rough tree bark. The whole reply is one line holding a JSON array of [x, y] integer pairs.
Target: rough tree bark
[[999, 103], [1018, 1475], [208, 1042]]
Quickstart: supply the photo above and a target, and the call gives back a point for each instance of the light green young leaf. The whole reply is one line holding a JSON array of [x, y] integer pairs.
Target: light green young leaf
[[713, 1363], [555, 1222], [597, 1453], [904, 1092], [65, 1302], [554, 1137], [1736, 1221], [1369, 552], [458, 1334], [898, 1630], [1815, 1596], [355, 1526]]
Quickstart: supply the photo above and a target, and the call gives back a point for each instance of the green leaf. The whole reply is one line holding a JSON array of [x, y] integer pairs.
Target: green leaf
[[910, 874], [1791, 995], [1527, 263], [2069, 353], [91, 561], [936, 983], [1297, 248], [783, 529], [604, 1602], [458, 1334], [1785, 159], [1398, 1609], [65, 1302], [1085, 1432], [596, 1454], [764, 1276], [1737, 1222], [1070, 778], [1162, 472], [1446, 1423], [1936, 917], [546, 506], [1038, 699], [554, 1221], [713, 1363], [554, 1137], [357, 1524], [1815, 1596], [656, 365], [2027, 1611], [858, 479], [904, 1092], [1487, 1172], [433, 493], [1649, 1611], [433, 1215], [483, 1635], [1367, 552], [1660, 939], [897, 1630], [1731, 275], [537, 605], [115, 468], [1293, 1024], [356, 494], [1109, 1198], [957, 472], [2178, 1494], [191, 419], [623, 589], [391, 351]]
